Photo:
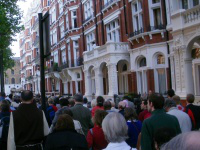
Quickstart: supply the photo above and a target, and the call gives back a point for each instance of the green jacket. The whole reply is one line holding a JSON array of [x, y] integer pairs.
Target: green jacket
[[159, 119], [83, 115]]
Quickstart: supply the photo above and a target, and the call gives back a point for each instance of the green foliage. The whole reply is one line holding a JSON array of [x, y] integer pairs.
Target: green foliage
[[10, 25]]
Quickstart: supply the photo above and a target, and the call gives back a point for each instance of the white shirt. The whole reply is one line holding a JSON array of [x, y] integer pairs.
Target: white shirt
[[183, 119], [119, 146], [11, 137]]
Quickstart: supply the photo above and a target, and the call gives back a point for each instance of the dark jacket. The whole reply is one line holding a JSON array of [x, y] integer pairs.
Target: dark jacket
[[66, 140], [159, 119], [83, 115]]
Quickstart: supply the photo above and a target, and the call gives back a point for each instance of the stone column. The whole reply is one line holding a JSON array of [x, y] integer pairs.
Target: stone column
[[189, 82], [113, 81], [172, 72], [88, 92], [98, 81]]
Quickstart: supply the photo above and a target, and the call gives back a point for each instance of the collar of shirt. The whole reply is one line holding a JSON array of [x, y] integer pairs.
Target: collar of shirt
[[173, 108]]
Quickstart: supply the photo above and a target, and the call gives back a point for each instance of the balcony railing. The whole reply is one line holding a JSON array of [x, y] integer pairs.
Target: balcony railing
[[192, 14], [63, 66], [137, 32], [157, 27]]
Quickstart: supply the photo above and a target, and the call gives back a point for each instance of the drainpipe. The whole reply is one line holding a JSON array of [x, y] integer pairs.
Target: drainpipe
[[102, 24], [167, 39], [125, 17], [95, 14], [81, 10]]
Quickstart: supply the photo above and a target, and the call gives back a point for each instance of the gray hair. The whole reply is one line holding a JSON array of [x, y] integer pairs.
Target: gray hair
[[169, 103], [115, 128], [184, 141]]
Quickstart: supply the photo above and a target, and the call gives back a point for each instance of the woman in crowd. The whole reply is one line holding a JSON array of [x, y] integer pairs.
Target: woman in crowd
[[121, 107], [100, 101], [64, 137], [95, 137], [115, 131], [134, 126]]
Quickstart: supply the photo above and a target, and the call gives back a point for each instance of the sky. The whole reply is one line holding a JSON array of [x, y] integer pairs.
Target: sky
[[15, 45]]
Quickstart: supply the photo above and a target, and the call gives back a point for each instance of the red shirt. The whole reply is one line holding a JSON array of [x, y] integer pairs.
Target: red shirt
[[95, 108], [54, 108], [144, 115], [96, 140]]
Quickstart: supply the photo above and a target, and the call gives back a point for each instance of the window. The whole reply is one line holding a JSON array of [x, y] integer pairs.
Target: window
[[113, 31], [155, 1], [74, 19], [195, 2], [62, 30], [160, 59], [78, 76], [48, 2], [69, 54], [155, 14], [137, 15], [76, 52], [67, 21], [13, 80], [90, 41], [12, 72], [53, 14], [37, 51], [54, 36], [185, 4], [88, 9], [63, 53], [161, 80], [142, 62], [60, 6], [157, 17], [56, 57]]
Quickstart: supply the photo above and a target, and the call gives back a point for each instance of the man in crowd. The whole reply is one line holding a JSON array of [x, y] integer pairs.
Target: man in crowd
[[28, 125], [81, 113], [183, 118], [193, 111], [177, 100], [158, 120], [144, 114], [170, 93]]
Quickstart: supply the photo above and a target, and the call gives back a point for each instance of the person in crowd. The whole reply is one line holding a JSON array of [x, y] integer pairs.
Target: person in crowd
[[158, 119], [115, 130], [71, 102], [56, 101], [193, 111], [85, 100], [64, 103], [51, 103], [81, 113], [67, 110], [177, 100], [183, 118], [162, 136], [4, 123], [51, 110], [14, 103], [95, 137], [2, 96], [100, 101], [93, 103], [184, 141], [24, 122], [134, 126], [9, 98], [113, 106], [64, 137], [107, 106], [129, 102], [170, 93], [89, 105], [121, 107], [145, 113]]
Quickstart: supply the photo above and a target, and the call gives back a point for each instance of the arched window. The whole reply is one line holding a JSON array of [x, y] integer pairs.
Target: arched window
[[124, 67], [78, 76], [13, 80], [160, 59], [143, 62], [12, 72]]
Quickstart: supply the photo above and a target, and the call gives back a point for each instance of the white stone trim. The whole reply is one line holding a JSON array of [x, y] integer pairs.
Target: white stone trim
[[111, 17], [90, 30], [73, 7], [73, 38]]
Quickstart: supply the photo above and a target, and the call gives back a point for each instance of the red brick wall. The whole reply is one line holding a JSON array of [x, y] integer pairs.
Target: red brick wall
[[150, 80]]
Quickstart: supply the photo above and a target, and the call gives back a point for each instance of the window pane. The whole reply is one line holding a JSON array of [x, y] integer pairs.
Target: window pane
[[157, 17], [155, 1], [161, 81], [160, 59]]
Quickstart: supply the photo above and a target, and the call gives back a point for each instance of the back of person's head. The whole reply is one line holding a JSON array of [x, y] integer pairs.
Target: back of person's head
[[177, 99], [4, 106], [184, 141], [78, 98], [100, 101], [169, 103], [67, 111], [144, 100], [51, 101], [170, 93], [121, 105], [27, 95], [88, 104], [71, 102], [10, 96], [85, 100], [115, 128], [99, 116], [130, 114], [107, 105], [56, 100], [163, 135], [64, 102], [157, 100], [64, 122], [190, 98]]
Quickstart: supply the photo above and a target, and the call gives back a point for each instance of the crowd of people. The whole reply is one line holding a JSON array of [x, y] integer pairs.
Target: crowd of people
[[74, 123]]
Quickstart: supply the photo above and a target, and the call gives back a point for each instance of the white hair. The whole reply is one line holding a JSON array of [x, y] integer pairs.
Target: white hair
[[115, 128]]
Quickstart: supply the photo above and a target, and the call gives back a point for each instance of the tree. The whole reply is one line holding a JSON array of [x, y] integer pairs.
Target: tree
[[10, 25]]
